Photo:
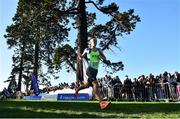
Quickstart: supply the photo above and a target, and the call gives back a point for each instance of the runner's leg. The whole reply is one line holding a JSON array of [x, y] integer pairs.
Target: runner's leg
[[96, 90], [103, 104], [83, 86]]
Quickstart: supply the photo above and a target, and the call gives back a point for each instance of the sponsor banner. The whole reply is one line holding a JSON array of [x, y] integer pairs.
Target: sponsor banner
[[32, 97], [67, 96], [49, 97]]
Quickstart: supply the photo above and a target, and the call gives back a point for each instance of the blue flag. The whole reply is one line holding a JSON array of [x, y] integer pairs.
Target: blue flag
[[35, 84]]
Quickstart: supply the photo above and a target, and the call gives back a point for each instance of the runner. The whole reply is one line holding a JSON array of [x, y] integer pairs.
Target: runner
[[96, 55]]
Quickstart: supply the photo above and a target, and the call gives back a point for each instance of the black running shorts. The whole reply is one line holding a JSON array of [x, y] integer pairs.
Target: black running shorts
[[91, 73]]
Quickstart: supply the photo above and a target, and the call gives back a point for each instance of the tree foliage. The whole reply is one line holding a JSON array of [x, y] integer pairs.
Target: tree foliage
[[40, 33]]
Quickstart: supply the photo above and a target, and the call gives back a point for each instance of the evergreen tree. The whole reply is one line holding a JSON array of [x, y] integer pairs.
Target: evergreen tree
[[48, 23]]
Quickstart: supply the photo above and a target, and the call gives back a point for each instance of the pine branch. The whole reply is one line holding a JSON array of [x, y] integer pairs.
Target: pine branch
[[69, 11], [107, 45], [71, 65], [96, 6]]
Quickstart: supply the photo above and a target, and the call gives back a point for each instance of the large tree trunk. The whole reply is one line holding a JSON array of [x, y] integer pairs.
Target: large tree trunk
[[82, 41], [36, 57], [36, 60], [21, 69], [27, 86]]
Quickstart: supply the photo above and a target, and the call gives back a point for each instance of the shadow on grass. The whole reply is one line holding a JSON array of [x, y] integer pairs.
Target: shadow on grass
[[81, 109], [18, 113]]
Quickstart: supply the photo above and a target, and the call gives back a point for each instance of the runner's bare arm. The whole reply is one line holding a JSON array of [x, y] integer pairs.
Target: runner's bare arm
[[83, 54], [103, 57]]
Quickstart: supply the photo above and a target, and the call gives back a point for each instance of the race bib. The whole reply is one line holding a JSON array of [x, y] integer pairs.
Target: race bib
[[95, 65]]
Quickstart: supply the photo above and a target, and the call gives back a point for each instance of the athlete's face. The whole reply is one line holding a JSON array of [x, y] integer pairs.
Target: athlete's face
[[93, 42]]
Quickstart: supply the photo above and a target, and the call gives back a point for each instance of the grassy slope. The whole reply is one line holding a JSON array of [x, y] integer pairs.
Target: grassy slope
[[88, 109]]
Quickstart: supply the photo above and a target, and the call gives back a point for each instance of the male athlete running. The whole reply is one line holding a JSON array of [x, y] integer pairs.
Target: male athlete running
[[96, 55]]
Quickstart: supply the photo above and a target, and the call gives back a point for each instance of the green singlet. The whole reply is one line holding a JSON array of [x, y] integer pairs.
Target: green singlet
[[94, 58]]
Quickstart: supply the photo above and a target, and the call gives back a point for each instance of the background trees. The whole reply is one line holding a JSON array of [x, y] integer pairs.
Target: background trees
[[40, 34]]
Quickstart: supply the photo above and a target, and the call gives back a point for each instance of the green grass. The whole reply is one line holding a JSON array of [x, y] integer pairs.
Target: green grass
[[85, 109]]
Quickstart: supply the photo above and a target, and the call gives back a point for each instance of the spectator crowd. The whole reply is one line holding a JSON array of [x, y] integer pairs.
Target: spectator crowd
[[142, 88]]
